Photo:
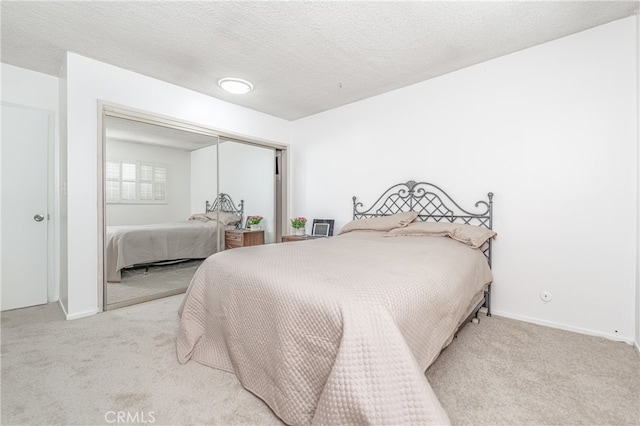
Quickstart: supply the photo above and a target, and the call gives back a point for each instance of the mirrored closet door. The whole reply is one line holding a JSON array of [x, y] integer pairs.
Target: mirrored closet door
[[171, 191], [248, 171], [157, 182]]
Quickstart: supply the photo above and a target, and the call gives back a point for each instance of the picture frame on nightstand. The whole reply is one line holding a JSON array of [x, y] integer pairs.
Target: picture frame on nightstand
[[322, 228]]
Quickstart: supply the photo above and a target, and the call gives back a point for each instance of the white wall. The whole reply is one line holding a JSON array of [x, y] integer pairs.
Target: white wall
[[550, 130], [61, 188], [177, 207], [638, 181], [204, 177], [29, 88], [89, 81], [36, 90]]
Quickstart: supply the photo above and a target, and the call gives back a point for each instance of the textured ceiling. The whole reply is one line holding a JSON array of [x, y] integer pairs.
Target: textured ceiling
[[302, 57]]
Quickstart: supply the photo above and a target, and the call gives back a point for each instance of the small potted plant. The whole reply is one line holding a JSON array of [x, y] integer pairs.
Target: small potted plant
[[254, 222], [299, 223]]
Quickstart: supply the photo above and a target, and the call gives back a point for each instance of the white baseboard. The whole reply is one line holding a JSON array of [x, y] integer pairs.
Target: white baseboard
[[565, 327], [78, 315], [62, 307]]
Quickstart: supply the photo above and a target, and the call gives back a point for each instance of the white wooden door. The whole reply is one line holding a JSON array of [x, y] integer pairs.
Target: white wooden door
[[25, 134]]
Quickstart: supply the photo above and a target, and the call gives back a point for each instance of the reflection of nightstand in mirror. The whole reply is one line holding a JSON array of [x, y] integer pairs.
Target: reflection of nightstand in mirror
[[242, 238], [291, 238]]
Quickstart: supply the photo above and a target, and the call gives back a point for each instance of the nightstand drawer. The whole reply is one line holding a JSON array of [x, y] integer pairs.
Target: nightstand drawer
[[243, 238], [233, 236]]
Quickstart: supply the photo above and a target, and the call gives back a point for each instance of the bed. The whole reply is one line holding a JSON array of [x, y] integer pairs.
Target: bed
[[341, 330], [195, 238]]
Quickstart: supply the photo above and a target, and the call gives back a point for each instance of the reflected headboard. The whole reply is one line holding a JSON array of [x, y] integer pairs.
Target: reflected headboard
[[224, 203]]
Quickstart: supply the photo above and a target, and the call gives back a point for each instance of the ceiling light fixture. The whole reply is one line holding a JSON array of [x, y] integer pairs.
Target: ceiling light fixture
[[237, 86]]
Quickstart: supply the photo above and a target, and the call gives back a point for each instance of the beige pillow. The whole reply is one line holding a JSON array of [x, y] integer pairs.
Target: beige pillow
[[225, 218], [475, 236], [380, 223], [199, 216]]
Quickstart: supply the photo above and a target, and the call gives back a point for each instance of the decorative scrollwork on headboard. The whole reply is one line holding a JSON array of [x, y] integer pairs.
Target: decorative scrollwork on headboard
[[224, 203], [431, 203]]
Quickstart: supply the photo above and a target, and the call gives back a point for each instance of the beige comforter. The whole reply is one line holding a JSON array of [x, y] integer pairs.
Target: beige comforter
[[334, 331], [136, 244]]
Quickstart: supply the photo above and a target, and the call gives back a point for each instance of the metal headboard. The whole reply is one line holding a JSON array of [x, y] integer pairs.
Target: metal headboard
[[225, 203], [431, 203]]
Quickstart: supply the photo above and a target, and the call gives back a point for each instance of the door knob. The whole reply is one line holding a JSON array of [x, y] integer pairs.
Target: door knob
[[38, 218]]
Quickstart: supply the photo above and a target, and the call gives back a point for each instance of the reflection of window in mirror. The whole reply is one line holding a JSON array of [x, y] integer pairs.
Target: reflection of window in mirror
[[130, 181]]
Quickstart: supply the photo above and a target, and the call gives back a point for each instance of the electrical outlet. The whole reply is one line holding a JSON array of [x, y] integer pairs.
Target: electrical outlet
[[545, 296]]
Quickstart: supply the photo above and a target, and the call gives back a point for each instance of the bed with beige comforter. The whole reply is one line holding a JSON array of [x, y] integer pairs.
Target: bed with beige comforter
[[336, 330], [140, 244]]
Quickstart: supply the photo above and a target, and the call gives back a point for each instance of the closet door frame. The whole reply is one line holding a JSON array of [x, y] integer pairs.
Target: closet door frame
[[105, 109]]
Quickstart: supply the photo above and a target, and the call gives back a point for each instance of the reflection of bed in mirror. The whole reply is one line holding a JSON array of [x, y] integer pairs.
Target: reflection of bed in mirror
[[195, 238]]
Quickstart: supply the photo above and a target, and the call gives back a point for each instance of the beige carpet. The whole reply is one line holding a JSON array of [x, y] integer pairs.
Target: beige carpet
[[123, 363], [507, 372]]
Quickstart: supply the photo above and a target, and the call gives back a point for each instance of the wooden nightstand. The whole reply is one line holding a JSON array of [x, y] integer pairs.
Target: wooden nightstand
[[242, 238], [291, 238]]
